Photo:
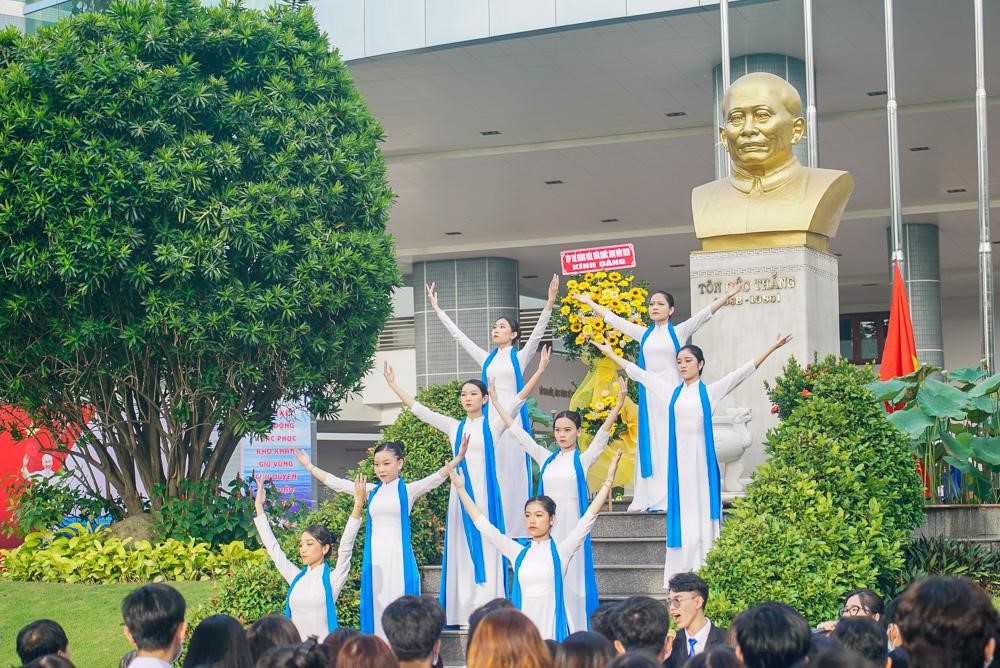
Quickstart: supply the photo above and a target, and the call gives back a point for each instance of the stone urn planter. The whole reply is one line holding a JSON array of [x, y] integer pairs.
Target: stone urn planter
[[732, 438]]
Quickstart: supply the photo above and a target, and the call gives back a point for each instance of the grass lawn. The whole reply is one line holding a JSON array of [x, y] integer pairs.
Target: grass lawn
[[91, 615]]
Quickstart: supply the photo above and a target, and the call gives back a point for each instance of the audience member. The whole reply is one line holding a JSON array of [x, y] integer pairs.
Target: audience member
[[413, 626], [584, 649], [480, 612], [641, 625], [696, 633], [126, 659], [154, 623], [364, 651], [634, 660], [899, 658], [771, 635], [50, 661], [218, 641], [718, 656], [947, 622], [40, 638], [858, 603], [309, 654], [864, 636], [841, 657], [602, 619], [507, 639], [335, 640], [269, 632]]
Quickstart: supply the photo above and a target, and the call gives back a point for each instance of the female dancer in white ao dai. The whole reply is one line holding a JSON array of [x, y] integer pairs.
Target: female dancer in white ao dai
[[563, 478], [658, 346], [540, 566], [314, 588], [694, 505], [390, 569], [504, 365], [472, 571]]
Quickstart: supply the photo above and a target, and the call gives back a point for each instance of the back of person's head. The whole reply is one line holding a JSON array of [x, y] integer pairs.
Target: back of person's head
[[947, 621], [153, 615], [584, 649], [271, 631], [641, 625], [819, 642], [864, 636], [841, 657], [602, 620], [363, 651], [50, 661], [336, 639], [483, 610], [507, 639], [553, 647], [309, 654], [771, 635], [40, 638], [413, 626], [219, 641], [718, 656], [634, 660]]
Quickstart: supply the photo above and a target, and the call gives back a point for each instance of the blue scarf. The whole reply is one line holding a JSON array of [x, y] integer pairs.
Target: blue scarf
[[331, 608], [673, 492], [645, 450], [562, 626], [494, 506], [582, 494], [519, 384], [411, 576]]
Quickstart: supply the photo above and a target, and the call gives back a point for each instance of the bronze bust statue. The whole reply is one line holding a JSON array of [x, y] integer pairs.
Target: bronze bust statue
[[770, 200]]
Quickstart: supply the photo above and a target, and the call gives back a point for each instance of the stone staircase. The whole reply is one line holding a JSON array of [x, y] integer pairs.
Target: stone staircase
[[628, 560]]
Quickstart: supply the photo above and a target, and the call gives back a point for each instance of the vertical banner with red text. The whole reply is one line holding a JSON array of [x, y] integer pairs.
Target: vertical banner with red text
[[274, 455]]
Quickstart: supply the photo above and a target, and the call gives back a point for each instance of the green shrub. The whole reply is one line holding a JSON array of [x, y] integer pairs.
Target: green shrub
[[43, 503], [98, 557], [830, 510], [947, 556]]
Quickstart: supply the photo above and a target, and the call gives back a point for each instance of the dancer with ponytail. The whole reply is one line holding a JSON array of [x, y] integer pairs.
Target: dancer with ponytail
[[563, 478], [659, 344], [504, 365], [694, 503], [313, 589], [472, 572], [389, 569], [540, 566]]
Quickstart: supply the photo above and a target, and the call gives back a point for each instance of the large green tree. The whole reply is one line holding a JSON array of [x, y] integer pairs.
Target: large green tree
[[192, 229]]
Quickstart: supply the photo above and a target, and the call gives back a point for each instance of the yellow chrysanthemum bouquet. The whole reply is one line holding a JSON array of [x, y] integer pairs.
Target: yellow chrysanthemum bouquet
[[578, 324]]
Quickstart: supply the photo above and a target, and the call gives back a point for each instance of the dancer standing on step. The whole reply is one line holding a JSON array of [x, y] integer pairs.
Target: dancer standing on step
[[659, 344], [389, 569], [314, 588], [563, 478], [504, 366], [472, 572], [540, 566], [694, 503]]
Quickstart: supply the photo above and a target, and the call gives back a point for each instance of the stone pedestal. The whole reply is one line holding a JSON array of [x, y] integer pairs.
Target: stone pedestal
[[786, 290]]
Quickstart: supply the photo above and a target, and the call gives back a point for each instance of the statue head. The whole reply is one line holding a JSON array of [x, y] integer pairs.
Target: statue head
[[761, 116]]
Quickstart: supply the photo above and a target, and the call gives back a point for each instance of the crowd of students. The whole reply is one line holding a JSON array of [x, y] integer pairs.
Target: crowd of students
[[938, 622]]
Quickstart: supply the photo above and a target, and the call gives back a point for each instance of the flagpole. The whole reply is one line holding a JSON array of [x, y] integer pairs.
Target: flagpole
[[811, 131], [895, 208], [986, 325], [722, 157]]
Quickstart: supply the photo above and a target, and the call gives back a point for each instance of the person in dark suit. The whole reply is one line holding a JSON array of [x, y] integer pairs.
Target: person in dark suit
[[696, 633]]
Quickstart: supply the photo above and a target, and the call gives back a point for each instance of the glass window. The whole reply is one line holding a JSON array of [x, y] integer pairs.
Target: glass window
[[862, 336]]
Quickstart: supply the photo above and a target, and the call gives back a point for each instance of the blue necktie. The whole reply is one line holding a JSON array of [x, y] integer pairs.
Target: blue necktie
[[691, 642]]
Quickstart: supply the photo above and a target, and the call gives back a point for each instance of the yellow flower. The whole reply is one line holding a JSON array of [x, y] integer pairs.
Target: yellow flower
[[598, 406], [588, 330], [626, 339], [571, 283], [601, 274], [635, 293], [591, 416], [608, 294], [582, 286], [564, 310], [619, 352], [573, 317], [612, 337], [580, 339], [614, 276], [605, 393], [575, 327], [637, 303], [623, 284], [588, 276], [598, 337]]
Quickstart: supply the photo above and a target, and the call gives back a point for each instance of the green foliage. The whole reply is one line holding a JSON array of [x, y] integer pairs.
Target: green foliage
[[44, 502], [193, 209], [947, 556], [249, 591], [953, 425], [78, 555], [830, 510], [203, 510]]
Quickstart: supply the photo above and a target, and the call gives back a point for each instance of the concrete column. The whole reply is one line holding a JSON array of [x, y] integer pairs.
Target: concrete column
[[788, 68], [474, 292], [922, 274]]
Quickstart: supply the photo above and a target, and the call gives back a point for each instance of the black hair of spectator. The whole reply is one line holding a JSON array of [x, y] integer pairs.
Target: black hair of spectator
[[413, 625], [772, 635], [40, 638], [271, 631], [553, 646], [584, 649], [634, 660], [863, 636], [641, 625], [336, 639], [309, 654], [871, 601], [483, 610], [152, 615], [819, 642], [718, 656], [602, 619], [889, 614], [219, 641], [841, 657], [50, 661], [689, 582]]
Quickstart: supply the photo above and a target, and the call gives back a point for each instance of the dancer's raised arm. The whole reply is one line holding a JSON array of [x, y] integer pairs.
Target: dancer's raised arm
[[624, 326], [735, 288], [458, 482], [651, 381], [778, 342], [602, 494], [532, 383], [527, 351], [524, 439], [609, 422], [468, 345], [390, 378]]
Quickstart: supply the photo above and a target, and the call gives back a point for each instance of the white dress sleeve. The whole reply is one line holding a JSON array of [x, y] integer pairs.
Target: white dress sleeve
[[440, 422], [338, 576], [343, 485], [417, 488], [528, 444], [627, 328], [569, 545], [651, 381], [287, 569], [467, 344], [595, 449], [525, 354], [718, 390], [508, 547], [693, 324]]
